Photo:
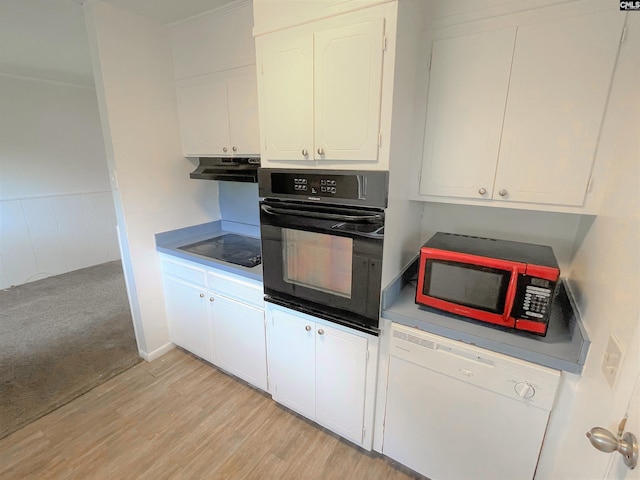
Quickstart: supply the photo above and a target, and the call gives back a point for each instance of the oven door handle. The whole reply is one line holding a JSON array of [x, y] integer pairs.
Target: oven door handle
[[327, 216]]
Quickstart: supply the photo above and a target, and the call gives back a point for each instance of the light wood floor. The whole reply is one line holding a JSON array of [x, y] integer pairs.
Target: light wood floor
[[180, 418]]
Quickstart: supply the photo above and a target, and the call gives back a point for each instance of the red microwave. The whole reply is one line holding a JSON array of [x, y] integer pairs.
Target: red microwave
[[496, 281]]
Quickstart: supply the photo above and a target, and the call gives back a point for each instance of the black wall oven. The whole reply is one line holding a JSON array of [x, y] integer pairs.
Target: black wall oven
[[322, 234]]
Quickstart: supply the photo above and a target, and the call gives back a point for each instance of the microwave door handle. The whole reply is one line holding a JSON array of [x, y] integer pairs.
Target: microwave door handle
[[511, 293], [327, 216]]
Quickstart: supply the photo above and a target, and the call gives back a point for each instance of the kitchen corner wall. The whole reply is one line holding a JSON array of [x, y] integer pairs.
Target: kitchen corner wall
[[239, 202], [605, 277], [56, 207], [134, 73]]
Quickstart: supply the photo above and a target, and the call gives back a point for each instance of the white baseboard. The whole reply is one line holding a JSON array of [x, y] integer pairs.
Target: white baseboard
[[157, 353]]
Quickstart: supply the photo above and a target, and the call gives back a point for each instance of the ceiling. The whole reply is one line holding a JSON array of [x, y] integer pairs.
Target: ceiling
[[47, 39]]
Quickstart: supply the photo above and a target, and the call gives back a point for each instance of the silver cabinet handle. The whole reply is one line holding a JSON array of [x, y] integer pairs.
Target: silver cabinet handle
[[202, 295], [321, 332], [211, 299], [225, 149], [308, 328], [626, 444], [320, 151], [305, 152], [503, 193], [235, 149], [482, 191]]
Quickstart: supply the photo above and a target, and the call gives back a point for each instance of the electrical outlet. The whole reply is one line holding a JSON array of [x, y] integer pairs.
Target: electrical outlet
[[612, 360]]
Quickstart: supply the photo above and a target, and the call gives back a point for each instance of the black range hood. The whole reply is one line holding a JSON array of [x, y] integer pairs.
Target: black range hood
[[227, 169]]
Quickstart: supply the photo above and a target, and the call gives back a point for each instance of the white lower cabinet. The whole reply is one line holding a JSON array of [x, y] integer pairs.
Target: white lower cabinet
[[217, 316], [188, 320], [238, 335], [323, 371]]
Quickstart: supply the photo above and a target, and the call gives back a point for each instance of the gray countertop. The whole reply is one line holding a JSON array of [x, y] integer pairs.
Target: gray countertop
[[563, 348], [169, 243]]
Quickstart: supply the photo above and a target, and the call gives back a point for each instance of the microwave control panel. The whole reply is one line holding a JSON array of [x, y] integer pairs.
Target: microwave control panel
[[533, 298]]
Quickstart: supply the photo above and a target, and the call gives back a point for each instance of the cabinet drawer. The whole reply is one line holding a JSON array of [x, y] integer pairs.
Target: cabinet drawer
[[183, 271], [237, 288]]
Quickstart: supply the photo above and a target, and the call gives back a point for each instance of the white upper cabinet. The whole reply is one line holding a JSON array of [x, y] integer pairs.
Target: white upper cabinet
[[214, 61], [203, 117], [561, 75], [286, 95], [467, 94], [219, 114], [515, 106], [244, 128], [348, 82], [320, 89]]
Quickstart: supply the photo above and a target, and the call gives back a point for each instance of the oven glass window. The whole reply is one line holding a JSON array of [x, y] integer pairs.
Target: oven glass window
[[480, 288], [318, 261]]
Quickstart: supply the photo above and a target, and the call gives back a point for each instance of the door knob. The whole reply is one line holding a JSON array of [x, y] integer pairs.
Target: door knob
[[320, 151], [202, 295], [235, 149], [308, 328], [503, 193], [607, 442], [321, 332], [304, 152], [224, 149], [482, 191]]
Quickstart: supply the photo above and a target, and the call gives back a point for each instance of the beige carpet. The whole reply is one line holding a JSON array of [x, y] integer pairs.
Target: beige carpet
[[59, 338]]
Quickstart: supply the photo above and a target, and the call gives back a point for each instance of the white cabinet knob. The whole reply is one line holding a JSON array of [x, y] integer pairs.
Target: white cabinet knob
[[482, 191], [320, 151], [225, 149], [235, 149], [305, 152], [503, 193]]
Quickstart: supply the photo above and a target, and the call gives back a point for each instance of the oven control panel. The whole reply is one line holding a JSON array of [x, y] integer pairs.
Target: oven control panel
[[317, 185], [321, 187], [330, 186]]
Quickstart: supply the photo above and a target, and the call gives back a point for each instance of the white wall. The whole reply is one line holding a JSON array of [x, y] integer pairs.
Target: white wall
[[558, 230], [605, 276], [56, 209], [402, 229], [132, 60]]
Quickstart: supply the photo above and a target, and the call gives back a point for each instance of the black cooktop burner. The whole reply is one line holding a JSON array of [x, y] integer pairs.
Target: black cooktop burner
[[232, 248]]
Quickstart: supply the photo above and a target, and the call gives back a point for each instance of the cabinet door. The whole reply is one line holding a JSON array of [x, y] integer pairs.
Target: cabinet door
[[203, 118], [292, 362], [341, 367], [244, 133], [239, 344], [348, 83], [468, 85], [187, 313], [560, 81], [286, 93]]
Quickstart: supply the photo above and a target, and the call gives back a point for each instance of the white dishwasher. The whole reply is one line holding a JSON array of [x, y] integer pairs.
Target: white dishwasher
[[458, 412]]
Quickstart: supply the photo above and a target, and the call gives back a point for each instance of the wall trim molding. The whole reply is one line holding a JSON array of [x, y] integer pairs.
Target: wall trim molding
[[216, 12], [66, 194], [157, 353], [47, 80]]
